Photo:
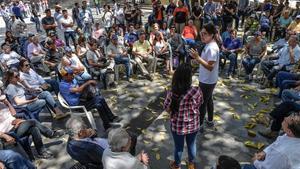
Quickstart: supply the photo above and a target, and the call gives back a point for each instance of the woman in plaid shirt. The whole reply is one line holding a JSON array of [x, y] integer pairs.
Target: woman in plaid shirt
[[183, 102]]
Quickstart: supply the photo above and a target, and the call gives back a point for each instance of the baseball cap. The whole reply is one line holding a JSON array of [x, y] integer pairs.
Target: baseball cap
[[298, 17], [257, 33], [68, 49], [66, 71], [114, 37]]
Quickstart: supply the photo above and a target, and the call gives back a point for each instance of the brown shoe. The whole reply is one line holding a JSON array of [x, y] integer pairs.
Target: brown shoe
[[191, 165], [269, 134], [61, 116], [172, 165]]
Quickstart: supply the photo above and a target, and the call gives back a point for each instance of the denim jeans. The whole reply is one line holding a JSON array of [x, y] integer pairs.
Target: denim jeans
[[179, 145], [45, 95], [290, 95], [249, 64], [37, 105], [126, 61], [248, 166], [54, 85], [13, 160], [83, 77], [69, 35], [35, 129], [104, 111], [190, 42], [286, 80], [282, 111], [37, 24]]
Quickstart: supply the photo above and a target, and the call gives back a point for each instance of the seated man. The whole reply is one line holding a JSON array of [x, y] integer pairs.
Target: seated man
[[119, 54], [287, 56], [230, 48], [130, 37], [9, 58], [294, 27], [177, 45], [10, 159], [72, 61], [11, 126], [142, 52], [190, 33], [117, 155], [287, 80], [283, 152], [99, 64], [73, 93]]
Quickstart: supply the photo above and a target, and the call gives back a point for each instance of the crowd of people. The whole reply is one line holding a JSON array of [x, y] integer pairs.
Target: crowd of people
[[83, 54]]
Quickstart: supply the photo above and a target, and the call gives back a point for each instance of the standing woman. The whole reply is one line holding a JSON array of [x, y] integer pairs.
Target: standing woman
[[183, 102], [208, 72]]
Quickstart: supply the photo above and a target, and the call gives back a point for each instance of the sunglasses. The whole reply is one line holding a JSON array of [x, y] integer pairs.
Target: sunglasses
[[27, 65]]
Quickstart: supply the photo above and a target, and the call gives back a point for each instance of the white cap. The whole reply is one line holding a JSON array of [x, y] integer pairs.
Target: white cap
[[298, 17]]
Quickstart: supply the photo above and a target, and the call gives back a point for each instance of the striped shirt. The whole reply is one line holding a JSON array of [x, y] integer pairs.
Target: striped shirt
[[186, 120]]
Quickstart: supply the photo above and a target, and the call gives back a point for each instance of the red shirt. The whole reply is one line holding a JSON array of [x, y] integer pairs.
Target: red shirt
[[189, 32], [186, 120]]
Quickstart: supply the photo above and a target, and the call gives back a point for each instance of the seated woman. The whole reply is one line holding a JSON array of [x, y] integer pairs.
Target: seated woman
[[161, 50], [155, 28], [9, 58], [35, 101], [11, 126], [12, 41], [81, 48], [72, 61], [117, 155], [283, 23], [189, 33], [255, 50], [34, 80]]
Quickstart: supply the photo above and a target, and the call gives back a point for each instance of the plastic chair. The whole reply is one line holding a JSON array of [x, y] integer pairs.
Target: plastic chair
[[87, 113]]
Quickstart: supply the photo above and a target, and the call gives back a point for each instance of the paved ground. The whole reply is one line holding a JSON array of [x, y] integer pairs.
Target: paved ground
[[140, 104]]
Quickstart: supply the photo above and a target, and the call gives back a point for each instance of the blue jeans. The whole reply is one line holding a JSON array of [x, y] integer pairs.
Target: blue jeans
[[190, 42], [69, 35], [13, 160], [179, 145], [83, 77], [286, 80], [47, 96], [249, 64], [37, 24], [248, 166], [290, 95], [37, 105], [126, 61], [54, 85]]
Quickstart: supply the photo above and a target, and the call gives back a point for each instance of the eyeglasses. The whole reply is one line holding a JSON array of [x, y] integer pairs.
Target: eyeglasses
[[27, 65]]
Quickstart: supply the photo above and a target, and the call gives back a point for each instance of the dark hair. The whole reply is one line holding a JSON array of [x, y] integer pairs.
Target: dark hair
[[181, 83], [226, 162], [9, 75], [210, 28], [64, 10], [295, 125], [22, 63]]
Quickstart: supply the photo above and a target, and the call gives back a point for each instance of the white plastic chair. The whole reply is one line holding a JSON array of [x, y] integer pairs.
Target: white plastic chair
[[89, 114]]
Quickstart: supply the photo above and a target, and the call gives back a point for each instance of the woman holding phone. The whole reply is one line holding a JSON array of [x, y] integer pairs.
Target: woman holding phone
[[35, 100], [208, 72]]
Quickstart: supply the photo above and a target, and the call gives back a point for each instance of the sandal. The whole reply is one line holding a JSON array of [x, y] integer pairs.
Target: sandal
[[172, 165]]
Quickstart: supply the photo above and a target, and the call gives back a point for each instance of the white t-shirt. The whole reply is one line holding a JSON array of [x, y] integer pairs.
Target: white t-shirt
[[209, 53], [11, 58], [5, 118], [67, 20], [108, 19]]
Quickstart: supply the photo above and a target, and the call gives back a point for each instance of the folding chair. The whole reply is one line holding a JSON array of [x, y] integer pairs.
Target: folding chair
[[87, 113]]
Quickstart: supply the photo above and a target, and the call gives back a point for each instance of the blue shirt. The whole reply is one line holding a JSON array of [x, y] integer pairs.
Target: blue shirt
[[17, 11], [232, 43], [225, 35], [209, 8], [284, 55], [72, 98], [131, 37]]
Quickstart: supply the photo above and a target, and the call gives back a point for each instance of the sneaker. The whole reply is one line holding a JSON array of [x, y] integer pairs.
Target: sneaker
[[149, 77], [117, 119], [129, 80], [172, 165], [201, 130], [191, 165], [277, 103], [45, 155], [269, 134], [57, 134], [209, 123]]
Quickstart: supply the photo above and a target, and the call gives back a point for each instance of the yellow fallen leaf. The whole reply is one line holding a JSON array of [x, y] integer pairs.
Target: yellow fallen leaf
[[217, 118], [146, 142], [155, 149], [157, 156], [251, 133], [149, 119], [236, 117]]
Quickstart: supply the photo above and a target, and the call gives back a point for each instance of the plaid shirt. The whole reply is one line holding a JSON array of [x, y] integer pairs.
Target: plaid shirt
[[186, 121]]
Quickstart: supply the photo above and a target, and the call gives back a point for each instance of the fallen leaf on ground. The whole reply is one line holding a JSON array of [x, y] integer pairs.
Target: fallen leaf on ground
[[149, 119], [250, 125], [157, 156], [254, 145], [251, 133], [146, 142], [236, 116], [155, 149]]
